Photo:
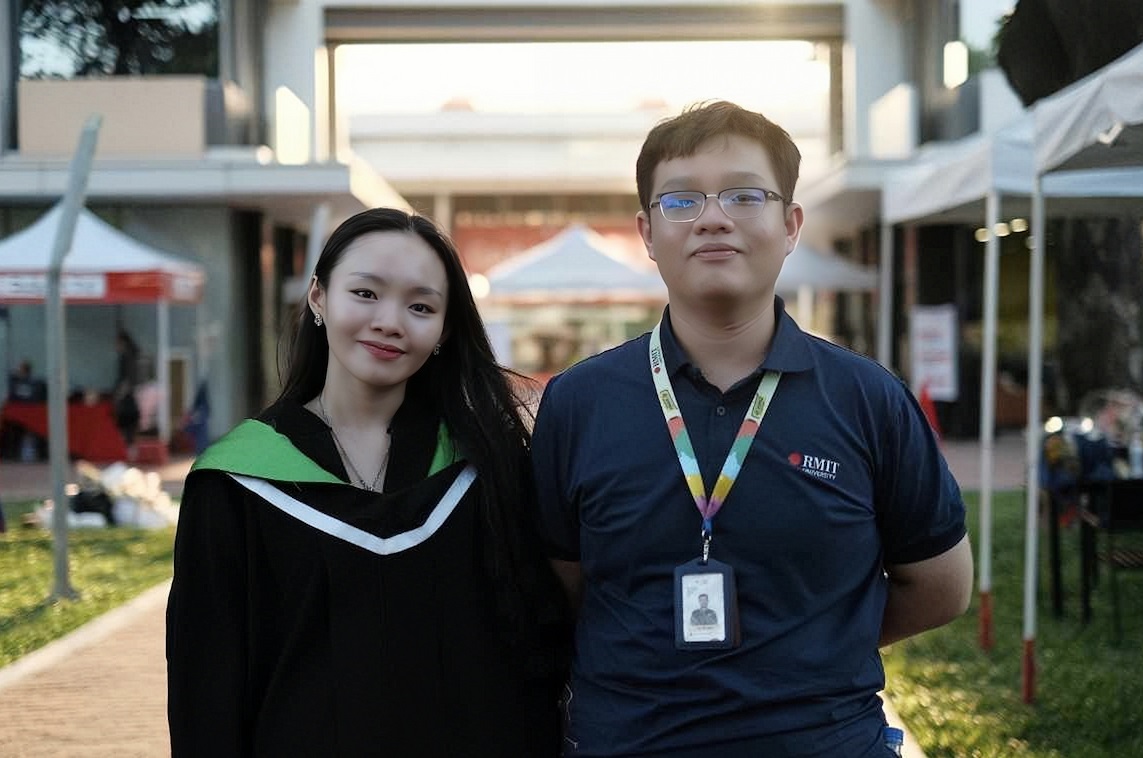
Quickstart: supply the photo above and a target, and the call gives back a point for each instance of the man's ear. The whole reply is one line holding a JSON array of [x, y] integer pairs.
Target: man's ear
[[643, 223], [795, 217]]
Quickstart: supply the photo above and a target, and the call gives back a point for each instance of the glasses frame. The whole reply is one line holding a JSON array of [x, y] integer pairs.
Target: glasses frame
[[768, 194]]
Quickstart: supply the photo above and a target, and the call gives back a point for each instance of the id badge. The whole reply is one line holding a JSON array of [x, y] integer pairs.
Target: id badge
[[706, 606]]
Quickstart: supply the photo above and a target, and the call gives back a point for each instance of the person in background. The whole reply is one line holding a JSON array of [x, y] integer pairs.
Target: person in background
[[729, 450], [357, 571], [25, 387], [16, 442], [126, 379]]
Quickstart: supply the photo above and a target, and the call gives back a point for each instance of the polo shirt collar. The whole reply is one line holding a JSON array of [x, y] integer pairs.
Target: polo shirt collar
[[789, 350]]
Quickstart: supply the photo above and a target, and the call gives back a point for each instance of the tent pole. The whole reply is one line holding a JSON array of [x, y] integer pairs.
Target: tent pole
[[57, 356], [319, 228], [1032, 437], [885, 298], [163, 370], [988, 411], [805, 307]]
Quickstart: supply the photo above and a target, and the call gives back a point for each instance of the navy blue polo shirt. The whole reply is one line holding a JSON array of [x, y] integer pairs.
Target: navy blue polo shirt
[[843, 477]]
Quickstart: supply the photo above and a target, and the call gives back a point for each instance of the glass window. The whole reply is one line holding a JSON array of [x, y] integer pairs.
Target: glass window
[[79, 38]]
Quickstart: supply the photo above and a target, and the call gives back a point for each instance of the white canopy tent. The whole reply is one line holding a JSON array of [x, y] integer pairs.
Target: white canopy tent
[[950, 182], [104, 266], [963, 181], [968, 182], [806, 267], [1094, 124], [807, 270], [579, 262], [577, 265]]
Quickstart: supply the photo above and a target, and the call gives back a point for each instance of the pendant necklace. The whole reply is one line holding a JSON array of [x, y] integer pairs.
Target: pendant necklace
[[352, 470]]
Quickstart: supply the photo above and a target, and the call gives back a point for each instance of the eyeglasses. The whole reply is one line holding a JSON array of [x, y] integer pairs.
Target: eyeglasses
[[737, 202]]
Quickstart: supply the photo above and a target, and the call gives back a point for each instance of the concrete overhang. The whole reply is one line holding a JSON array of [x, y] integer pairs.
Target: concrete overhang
[[537, 21], [460, 152], [843, 200], [242, 178]]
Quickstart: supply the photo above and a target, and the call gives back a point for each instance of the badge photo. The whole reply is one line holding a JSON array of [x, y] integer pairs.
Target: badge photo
[[706, 612]]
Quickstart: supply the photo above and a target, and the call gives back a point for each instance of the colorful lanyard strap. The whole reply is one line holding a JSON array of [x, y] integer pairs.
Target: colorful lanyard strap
[[707, 507]]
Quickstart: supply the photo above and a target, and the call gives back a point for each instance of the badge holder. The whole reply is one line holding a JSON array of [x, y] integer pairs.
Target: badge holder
[[706, 606]]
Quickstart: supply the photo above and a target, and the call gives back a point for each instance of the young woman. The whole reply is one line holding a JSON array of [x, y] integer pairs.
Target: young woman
[[356, 571]]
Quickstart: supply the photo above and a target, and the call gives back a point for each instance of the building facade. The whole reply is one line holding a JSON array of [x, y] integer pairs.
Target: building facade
[[222, 141], [191, 160]]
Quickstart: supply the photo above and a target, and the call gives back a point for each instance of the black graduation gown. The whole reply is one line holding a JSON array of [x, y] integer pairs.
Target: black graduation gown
[[286, 640]]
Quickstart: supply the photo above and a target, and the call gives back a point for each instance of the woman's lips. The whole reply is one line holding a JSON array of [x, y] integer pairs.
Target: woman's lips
[[383, 351]]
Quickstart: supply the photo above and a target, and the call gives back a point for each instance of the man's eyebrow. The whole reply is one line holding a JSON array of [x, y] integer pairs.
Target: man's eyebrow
[[736, 179]]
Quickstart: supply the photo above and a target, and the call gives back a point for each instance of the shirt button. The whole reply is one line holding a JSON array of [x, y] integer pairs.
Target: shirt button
[[720, 410]]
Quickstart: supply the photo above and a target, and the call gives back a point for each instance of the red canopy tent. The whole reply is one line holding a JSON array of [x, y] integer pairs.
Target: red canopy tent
[[105, 266]]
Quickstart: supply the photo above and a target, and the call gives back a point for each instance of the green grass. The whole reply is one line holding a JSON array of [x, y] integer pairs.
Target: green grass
[[959, 700], [107, 567]]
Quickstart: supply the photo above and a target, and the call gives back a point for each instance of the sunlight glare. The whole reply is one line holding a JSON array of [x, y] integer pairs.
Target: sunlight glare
[[595, 77]]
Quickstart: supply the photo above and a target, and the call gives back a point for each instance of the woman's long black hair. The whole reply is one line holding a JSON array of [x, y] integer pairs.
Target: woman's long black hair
[[479, 403]]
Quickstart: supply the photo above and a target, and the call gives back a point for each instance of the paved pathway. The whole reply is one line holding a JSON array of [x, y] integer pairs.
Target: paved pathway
[[101, 691], [1008, 461], [98, 693]]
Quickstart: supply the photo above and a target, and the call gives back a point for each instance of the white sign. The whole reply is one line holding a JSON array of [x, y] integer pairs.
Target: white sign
[[933, 346], [35, 286]]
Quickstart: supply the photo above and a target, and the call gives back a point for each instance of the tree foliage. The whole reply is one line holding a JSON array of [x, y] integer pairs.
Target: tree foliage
[[1045, 45], [118, 37]]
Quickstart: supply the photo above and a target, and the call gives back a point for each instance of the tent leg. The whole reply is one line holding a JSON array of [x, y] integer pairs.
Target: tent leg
[[885, 298], [988, 402], [1028, 678], [1033, 435], [163, 372]]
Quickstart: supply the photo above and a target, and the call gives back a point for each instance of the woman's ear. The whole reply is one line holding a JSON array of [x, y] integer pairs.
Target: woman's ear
[[315, 296]]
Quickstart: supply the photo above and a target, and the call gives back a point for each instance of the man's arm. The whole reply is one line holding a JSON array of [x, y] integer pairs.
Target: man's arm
[[571, 577], [928, 593]]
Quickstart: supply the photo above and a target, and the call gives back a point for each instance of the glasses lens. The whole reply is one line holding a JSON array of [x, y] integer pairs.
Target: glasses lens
[[681, 206], [742, 203]]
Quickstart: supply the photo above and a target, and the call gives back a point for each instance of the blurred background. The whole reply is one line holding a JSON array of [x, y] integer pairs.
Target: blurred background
[[237, 133]]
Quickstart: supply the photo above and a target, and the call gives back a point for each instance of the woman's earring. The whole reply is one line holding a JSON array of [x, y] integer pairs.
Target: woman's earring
[[318, 321], [437, 349]]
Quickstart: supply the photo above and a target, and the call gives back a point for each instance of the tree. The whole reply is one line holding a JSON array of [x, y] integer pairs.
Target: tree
[[78, 38], [1045, 45]]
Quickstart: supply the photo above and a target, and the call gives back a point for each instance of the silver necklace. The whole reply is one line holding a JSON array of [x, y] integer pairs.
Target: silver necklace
[[371, 487]]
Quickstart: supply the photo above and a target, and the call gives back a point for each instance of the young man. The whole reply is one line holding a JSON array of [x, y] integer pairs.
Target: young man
[[728, 453]]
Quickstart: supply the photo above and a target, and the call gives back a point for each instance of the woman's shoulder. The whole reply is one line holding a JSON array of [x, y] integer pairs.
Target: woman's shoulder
[[267, 447]]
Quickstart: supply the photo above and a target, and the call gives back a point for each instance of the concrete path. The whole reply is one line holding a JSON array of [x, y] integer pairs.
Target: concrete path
[[1008, 461], [101, 691]]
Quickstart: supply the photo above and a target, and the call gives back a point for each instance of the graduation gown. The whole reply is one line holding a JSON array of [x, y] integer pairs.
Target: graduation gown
[[311, 618]]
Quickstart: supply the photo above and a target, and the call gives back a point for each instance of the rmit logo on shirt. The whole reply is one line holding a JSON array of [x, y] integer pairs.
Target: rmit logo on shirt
[[814, 465]]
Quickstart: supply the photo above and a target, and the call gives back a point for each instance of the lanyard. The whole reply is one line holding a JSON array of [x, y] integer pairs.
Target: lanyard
[[707, 507]]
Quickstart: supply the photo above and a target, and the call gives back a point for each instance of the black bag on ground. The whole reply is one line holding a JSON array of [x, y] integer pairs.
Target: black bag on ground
[[93, 501]]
